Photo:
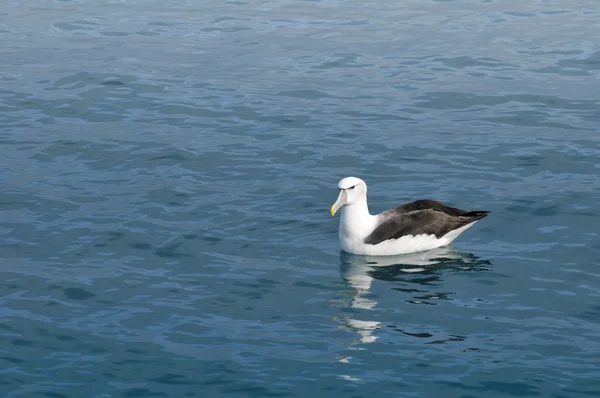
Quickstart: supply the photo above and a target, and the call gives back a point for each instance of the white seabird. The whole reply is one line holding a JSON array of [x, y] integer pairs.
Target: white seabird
[[412, 227]]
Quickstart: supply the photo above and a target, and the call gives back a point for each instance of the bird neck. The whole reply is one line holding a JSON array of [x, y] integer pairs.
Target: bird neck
[[356, 219], [356, 210]]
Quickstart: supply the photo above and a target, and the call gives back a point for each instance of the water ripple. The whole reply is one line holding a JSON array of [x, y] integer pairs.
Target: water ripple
[[167, 174]]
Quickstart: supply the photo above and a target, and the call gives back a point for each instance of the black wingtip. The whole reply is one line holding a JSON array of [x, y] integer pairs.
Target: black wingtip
[[477, 214]]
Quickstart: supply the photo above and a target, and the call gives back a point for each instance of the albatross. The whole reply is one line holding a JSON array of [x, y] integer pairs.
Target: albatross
[[412, 227]]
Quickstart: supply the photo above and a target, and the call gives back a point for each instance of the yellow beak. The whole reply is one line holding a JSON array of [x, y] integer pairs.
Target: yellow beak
[[341, 200]]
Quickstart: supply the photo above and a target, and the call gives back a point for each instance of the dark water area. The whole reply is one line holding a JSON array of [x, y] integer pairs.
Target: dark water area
[[167, 173]]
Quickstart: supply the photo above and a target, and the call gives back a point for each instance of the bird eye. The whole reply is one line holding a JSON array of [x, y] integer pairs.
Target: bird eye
[[352, 187]]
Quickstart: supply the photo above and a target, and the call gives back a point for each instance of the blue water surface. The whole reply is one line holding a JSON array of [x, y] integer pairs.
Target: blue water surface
[[168, 168]]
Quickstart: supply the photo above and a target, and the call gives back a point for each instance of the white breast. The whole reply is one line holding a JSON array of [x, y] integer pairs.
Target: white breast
[[354, 228]]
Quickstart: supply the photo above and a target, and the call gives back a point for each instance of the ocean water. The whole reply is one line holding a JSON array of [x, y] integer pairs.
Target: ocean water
[[167, 170]]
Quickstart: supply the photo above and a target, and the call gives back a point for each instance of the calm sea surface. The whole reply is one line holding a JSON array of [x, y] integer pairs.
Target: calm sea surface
[[167, 169]]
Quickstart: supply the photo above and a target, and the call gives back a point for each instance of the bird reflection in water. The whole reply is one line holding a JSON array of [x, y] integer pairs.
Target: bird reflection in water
[[423, 268]]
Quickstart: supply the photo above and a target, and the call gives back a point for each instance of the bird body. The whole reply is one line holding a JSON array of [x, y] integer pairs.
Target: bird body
[[416, 226]]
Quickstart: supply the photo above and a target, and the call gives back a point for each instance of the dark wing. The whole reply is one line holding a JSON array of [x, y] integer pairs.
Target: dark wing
[[417, 222], [424, 204]]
